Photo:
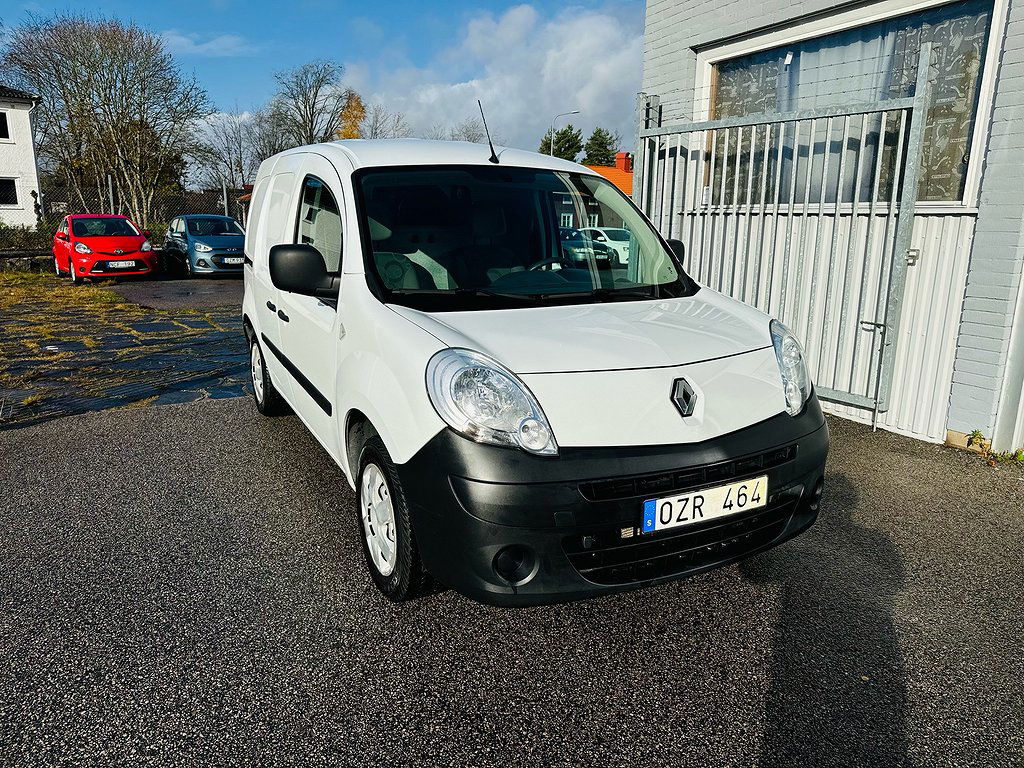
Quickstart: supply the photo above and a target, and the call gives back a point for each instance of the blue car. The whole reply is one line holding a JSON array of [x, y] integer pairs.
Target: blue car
[[205, 244]]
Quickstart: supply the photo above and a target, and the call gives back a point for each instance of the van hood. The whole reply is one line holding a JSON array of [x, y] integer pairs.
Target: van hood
[[606, 336]]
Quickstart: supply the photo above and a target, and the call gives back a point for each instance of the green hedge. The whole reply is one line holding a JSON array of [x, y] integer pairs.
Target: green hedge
[[38, 238]]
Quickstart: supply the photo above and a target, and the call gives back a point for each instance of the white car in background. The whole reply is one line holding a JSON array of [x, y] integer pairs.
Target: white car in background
[[522, 426], [616, 238]]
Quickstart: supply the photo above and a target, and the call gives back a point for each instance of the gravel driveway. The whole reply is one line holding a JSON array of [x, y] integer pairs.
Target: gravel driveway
[[182, 585]]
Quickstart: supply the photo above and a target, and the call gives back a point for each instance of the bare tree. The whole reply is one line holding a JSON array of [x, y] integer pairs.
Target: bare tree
[[470, 129], [437, 132], [113, 101], [269, 133], [226, 155], [312, 99], [380, 123]]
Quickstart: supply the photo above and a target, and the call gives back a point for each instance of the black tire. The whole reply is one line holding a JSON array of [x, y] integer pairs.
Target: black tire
[[71, 272], [268, 400], [186, 267], [407, 580]]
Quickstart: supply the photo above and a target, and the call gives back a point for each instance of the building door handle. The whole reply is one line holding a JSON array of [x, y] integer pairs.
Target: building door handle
[[271, 307], [282, 315]]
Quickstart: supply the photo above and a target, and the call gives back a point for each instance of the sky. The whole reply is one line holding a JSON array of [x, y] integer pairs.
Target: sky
[[429, 60]]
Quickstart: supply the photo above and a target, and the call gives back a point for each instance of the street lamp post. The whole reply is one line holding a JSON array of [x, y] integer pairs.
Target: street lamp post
[[551, 144]]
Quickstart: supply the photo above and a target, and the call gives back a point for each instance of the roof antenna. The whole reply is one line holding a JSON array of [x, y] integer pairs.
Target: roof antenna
[[494, 156]]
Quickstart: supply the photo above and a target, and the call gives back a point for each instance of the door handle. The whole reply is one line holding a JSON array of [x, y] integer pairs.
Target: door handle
[[282, 315], [271, 307]]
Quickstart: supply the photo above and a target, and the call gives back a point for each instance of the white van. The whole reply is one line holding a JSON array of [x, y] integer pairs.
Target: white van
[[521, 423]]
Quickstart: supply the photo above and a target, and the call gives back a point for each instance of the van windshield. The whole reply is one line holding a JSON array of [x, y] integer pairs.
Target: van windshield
[[487, 237]]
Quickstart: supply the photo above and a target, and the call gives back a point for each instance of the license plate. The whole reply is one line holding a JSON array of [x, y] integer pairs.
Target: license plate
[[233, 260], [706, 504], [121, 264]]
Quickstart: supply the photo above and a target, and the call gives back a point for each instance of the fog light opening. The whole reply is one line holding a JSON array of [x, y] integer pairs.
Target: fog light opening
[[202, 263], [515, 564], [815, 500]]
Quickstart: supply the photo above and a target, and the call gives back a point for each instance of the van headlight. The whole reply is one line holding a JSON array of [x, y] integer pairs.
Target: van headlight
[[481, 399], [796, 382]]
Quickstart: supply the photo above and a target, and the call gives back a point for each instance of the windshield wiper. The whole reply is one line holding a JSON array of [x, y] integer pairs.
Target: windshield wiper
[[600, 294], [460, 292]]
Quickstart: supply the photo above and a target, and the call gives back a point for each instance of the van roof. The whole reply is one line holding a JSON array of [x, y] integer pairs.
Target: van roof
[[370, 153]]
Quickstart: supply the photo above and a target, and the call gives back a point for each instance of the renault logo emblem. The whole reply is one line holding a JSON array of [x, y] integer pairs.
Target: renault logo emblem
[[684, 397]]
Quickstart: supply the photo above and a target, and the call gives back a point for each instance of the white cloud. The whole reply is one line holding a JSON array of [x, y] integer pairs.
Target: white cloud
[[525, 68], [189, 44]]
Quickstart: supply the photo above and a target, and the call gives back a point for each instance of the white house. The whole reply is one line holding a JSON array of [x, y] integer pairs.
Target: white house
[[854, 168], [19, 179]]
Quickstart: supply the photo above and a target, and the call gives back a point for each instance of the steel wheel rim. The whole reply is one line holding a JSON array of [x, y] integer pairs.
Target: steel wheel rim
[[378, 516], [256, 363]]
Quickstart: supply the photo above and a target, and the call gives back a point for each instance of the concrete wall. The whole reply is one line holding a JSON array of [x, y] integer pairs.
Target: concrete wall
[[18, 162], [988, 377]]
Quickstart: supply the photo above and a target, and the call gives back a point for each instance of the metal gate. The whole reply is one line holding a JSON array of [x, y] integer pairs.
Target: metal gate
[[806, 215]]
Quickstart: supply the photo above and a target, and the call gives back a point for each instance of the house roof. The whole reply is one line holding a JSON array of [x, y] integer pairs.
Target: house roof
[[6, 92], [620, 178]]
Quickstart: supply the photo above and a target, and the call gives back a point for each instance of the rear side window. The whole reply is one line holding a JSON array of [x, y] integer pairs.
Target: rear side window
[[259, 192], [319, 222]]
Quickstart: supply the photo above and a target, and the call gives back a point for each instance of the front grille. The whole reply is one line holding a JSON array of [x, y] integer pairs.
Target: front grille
[[610, 559], [681, 480]]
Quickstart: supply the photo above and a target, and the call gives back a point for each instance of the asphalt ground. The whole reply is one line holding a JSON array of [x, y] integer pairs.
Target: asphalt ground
[[196, 293], [183, 585]]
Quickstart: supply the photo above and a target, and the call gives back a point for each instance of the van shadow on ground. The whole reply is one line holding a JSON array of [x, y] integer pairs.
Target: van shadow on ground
[[838, 692]]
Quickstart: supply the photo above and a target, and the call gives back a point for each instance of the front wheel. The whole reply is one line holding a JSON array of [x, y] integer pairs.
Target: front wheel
[[384, 526], [268, 400], [71, 270]]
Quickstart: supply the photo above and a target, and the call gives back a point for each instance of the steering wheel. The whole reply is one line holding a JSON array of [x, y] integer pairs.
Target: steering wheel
[[542, 264]]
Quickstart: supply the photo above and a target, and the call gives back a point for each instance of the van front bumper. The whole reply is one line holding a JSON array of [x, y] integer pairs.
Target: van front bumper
[[510, 528]]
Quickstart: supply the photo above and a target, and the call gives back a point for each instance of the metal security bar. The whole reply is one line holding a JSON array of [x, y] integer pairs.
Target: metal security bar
[[806, 215]]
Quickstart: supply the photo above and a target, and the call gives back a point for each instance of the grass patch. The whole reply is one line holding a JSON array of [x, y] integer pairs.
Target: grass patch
[[36, 398], [20, 288], [142, 403]]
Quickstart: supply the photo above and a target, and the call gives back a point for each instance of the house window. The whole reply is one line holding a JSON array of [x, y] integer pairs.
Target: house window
[[5, 131], [872, 63], [566, 220], [8, 192]]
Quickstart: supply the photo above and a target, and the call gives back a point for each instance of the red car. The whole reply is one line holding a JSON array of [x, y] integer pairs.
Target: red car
[[101, 246]]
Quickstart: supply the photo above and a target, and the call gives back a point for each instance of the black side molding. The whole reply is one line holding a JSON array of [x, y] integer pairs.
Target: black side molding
[[313, 392]]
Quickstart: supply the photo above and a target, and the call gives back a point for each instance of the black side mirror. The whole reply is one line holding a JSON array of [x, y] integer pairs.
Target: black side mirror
[[301, 269], [678, 248]]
